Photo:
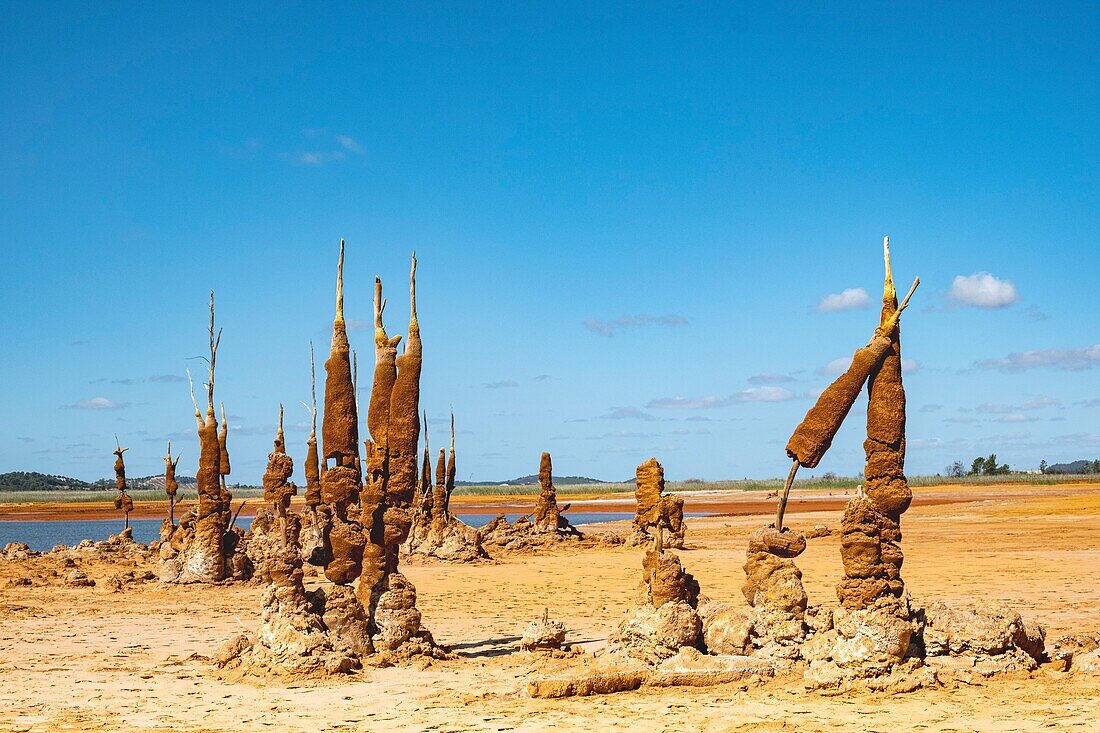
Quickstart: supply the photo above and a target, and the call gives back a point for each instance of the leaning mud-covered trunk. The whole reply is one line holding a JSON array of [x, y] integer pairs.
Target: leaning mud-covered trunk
[[341, 482], [814, 435], [871, 630]]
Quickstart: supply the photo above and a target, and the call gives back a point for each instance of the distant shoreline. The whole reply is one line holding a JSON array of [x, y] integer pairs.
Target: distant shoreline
[[710, 501]]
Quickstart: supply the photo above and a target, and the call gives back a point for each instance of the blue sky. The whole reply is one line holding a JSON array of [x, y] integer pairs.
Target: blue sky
[[642, 230]]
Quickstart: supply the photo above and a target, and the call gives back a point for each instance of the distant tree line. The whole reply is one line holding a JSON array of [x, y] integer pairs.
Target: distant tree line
[[980, 466], [988, 466]]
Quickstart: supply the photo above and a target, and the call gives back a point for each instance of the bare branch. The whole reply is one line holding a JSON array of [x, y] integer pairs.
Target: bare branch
[[191, 383]]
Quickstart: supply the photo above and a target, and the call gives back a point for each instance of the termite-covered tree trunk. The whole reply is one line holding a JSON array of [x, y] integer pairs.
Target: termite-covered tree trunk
[[206, 561], [278, 488], [122, 502], [341, 482], [871, 527], [171, 486], [394, 423]]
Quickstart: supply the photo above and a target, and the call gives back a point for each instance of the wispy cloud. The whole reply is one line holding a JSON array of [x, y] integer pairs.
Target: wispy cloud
[[167, 378], [1088, 403], [1072, 360], [622, 434], [96, 403], [846, 300], [319, 157], [348, 143], [610, 328], [326, 147], [542, 377], [769, 378], [1035, 313], [982, 290], [931, 408], [627, 413], [753, 394], [503, 384]]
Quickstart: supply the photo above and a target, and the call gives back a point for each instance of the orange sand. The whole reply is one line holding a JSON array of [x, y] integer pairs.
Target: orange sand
[[90, 659]]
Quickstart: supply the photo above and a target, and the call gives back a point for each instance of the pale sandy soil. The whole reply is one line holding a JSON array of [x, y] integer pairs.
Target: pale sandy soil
[[91, 659]]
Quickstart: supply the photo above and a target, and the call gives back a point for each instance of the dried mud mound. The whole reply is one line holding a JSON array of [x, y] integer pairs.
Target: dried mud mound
[[546, 527]]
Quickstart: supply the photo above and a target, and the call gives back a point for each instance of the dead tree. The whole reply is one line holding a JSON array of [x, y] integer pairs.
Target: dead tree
[[123, 500], [170, 483]]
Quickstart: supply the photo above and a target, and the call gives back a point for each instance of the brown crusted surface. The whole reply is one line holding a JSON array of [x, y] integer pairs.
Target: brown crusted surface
[[170, 483], [426, 474], [224, 467], [385, 375], [120, 471], [277, 486], [547, 515], [404, 424], [340, 428], [884, 473], [871, 555], [313, 474], [346, 540], [339, 486], [441, 468], [649, 484], [208, 475], [450, 483], [812, 438], [667, 580]]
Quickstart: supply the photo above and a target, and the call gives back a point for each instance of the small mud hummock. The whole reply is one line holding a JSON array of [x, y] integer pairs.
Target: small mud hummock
[[546, 526], [665, 619], [301, 633], [435, 532]]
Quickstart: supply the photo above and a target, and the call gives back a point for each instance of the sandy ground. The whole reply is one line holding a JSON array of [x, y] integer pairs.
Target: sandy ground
[[93, 659]]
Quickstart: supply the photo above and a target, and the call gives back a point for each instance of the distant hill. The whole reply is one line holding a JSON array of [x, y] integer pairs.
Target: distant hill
[[34, 481], [1074, 467], [532, 480]]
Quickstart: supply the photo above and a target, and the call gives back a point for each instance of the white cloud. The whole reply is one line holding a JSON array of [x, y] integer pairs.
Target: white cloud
[[503, 384], [97, 403], [846, 300], [753, 394], [1072, 360], [982, 290]]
